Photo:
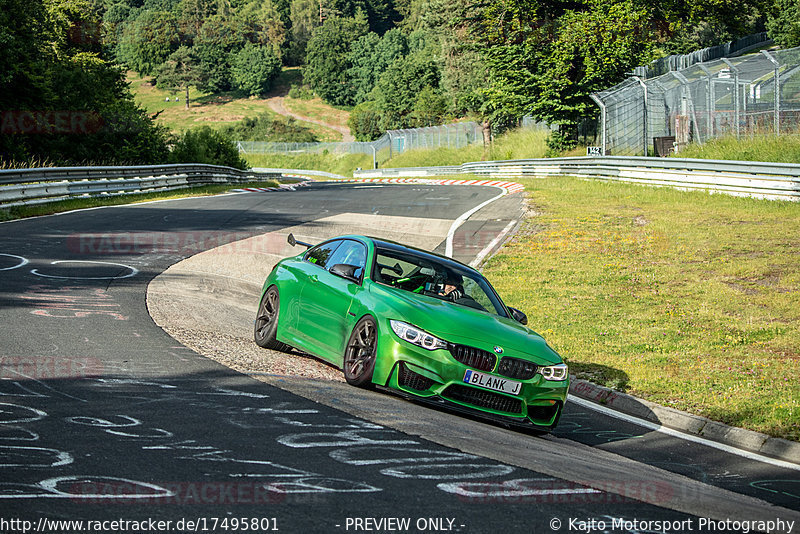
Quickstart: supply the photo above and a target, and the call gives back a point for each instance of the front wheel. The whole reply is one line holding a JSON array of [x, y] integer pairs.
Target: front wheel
[[267, 321], [359, 356]]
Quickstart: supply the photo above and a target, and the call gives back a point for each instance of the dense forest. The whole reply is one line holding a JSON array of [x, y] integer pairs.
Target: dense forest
[[397, 63]]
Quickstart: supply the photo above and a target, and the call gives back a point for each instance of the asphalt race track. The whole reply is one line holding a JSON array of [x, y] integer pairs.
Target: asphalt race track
[[107, 418]]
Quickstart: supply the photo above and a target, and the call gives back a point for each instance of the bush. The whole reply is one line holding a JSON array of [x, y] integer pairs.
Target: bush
[[301, 92], [365, 122], [254, 69], [266, 127], [559, 142], [204, 145]]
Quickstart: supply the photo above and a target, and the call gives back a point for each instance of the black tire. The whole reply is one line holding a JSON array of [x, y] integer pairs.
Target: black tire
[[359, 355], [266, 324]]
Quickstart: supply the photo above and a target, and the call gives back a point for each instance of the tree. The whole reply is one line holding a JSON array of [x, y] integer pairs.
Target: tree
[[148, 40], [69, 104], [784, 23], [219, 39], [179, 72], [194, 12], [369, 57], [398, 88], [255, 68], [430, 107], [304, 16], [263, 25], [327, 58], [546, 61], [361, 73], [594, 49]]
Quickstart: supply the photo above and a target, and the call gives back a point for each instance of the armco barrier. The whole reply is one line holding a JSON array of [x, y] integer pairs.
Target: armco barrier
[[744, 178], [31, 186]]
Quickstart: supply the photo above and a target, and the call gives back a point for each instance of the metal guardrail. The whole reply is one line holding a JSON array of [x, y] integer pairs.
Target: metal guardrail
[[33, 186], [776, 181], [743, 178], [410, 172]]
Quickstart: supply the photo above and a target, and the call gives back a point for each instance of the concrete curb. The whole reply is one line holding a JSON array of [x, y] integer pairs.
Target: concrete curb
[[696, 425]]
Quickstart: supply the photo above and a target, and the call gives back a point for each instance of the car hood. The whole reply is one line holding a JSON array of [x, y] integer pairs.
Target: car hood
[[464, 325]]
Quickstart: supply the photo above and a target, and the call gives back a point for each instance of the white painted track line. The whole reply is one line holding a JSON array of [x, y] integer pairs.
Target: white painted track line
[[682, 435]]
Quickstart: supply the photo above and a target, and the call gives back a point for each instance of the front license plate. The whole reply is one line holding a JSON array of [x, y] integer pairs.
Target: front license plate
[[492, 382]]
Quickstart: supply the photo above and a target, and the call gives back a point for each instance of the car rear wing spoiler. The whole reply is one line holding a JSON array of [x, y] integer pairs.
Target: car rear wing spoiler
[[292, 241]]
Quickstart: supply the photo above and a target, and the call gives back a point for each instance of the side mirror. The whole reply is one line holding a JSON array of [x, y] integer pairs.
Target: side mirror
[[348, 272], [518, 315]]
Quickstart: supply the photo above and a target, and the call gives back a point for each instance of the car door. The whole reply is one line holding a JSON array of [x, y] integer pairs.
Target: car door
[[307, 272], [327, 298]]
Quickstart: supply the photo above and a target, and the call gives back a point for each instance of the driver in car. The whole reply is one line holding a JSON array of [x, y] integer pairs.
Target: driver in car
[[452, 288]]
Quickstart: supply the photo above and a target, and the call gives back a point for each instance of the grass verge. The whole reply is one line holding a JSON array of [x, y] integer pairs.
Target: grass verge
[[687, 299], [769, 147], [49, 208], [343, 164], [523, 143]]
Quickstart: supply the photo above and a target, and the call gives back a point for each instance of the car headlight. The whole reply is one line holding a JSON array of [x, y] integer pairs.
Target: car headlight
[[418, 337], [559, 372]]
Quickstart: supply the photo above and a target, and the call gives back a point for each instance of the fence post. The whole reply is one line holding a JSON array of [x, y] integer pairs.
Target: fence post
[[709, 99], [602, 122], [687, 98], [645, 128], [777, 78], [736, 110]]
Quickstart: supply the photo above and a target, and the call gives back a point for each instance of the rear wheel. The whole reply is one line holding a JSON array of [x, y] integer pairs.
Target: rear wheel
[[267, 321], [359, 356]]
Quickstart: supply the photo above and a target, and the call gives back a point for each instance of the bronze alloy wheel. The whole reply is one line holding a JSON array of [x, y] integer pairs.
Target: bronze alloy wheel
[[359, 357]]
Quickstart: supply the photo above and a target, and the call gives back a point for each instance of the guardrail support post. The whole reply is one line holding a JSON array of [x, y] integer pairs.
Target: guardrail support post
[[602, 122]]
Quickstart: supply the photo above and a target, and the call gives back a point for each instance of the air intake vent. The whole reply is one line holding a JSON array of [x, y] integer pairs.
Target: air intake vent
[[543, 413], [411, 380], [516, 368], [472, 357], [483, 399]]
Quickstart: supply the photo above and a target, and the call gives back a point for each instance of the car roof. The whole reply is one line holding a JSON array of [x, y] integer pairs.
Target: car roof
[[393, 245], [400, 247]]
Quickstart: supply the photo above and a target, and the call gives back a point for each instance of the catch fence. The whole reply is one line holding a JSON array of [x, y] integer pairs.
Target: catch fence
[[747, 95], [390, 144]]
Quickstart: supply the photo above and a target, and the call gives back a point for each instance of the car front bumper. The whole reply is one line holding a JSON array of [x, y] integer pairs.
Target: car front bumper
[[436, 376]]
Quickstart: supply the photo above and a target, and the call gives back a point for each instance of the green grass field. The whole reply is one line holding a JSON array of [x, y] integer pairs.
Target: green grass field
[[687, 299], [215, 110]]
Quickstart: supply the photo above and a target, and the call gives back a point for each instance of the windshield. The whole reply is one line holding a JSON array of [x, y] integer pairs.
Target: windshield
[[428, 275]]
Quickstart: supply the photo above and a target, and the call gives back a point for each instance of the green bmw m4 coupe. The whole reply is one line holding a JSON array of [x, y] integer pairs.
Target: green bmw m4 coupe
[[421, 324]]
